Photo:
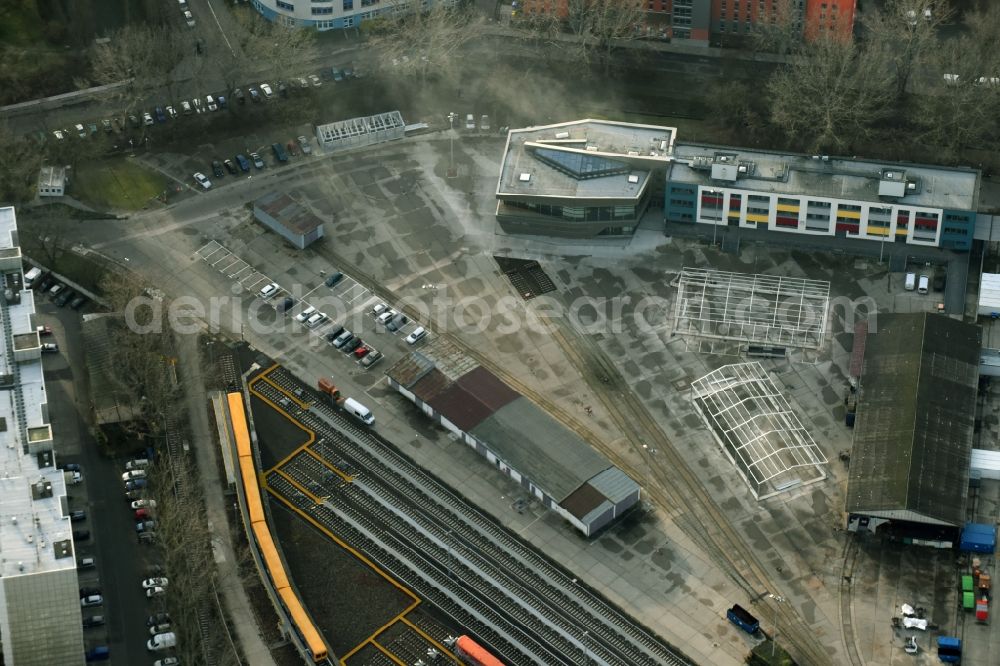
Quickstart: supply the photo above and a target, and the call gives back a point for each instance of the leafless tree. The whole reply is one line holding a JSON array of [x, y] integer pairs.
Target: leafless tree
[[19, 166], [599, 26], [44, 240], [829, 96], [959, 106], [271, 49], [778, 28], [904, 35], [411, 41]]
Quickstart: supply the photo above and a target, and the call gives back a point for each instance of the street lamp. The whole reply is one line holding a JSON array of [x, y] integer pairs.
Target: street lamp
[[451, 119], [586, 649]]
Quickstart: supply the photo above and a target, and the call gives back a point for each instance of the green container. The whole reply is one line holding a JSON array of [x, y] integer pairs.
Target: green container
[[968, 600], [966, 583]]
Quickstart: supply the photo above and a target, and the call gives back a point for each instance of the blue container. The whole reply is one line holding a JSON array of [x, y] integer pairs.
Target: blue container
[[949, 649], [978, 538]]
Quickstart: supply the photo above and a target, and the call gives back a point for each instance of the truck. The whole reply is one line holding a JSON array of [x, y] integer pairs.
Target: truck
[[743, 619], [949, 649], [983, 610], [328, 388]]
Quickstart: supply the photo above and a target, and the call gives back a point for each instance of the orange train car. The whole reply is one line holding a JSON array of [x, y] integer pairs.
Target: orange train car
[[262, 534], [474, 654]]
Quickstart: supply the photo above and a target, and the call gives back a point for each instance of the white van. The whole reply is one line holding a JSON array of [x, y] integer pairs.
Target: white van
[[31, 276], [161, 641], [911, 282], [923, 284], [138, 463], [359, 411]]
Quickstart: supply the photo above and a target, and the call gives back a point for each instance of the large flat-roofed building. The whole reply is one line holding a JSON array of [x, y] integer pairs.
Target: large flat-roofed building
[[821, 196], [40, 616], [581, 179], [916, 411], [547, 459], [288, 218]]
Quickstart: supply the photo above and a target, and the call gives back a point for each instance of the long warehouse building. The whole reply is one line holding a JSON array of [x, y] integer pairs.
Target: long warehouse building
[[514, 434]]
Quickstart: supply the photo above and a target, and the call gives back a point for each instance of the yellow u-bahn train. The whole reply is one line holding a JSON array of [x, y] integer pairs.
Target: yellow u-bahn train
[[301, 621]]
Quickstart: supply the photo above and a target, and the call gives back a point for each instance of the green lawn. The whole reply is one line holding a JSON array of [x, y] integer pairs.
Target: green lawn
[[119, 184]]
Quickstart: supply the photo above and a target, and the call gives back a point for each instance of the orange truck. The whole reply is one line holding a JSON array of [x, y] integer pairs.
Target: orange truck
[[327, 387]]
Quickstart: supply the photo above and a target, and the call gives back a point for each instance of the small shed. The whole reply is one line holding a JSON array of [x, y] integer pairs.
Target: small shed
[[289, 219], [989, 295], [978, 538], [51, 181]]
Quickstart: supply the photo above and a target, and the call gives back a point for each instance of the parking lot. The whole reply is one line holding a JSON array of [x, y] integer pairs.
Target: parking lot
[[351, 311], [106, 535]]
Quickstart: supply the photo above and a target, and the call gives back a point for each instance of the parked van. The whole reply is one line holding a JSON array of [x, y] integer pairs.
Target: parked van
[[359, 411], [923, 285], [279, 152], [138, 463], [911, 282], [31, 276], [161, 641]]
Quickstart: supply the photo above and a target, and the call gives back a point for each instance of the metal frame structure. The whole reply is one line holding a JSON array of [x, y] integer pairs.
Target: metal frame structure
[[757, 429], [752, 308]]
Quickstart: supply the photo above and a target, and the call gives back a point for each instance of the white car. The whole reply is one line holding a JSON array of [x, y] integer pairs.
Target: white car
[[143, 504], [315, 80], [266, 89], [189, 19], [159, 629], [92, 600], [203, 181], [386, 316], [418, 333], [302, 82], [134, 474], [168, 661], [269, 290], [210, 103], [59, 134], [81, 132], [147, 118], [305, 314], [171, 111], [186, 108], [315, 320], [155, 592]]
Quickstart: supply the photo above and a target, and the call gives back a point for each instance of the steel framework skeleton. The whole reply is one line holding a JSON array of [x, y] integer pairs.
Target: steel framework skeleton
[[757, 429], [757, 309]]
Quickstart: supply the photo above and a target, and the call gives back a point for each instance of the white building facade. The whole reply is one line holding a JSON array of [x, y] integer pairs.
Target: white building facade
[[329, 15], [40, 614]]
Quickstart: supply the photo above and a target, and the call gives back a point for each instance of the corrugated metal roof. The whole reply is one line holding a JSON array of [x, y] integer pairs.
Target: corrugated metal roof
[[487, 388], [408, 370], [289, 213], [460, 407], [916, 411], [555, 458], [614, 484], [448, 357], [989, 292], [858, 349]]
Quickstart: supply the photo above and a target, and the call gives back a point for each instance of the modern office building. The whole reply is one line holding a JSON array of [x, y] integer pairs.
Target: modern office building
[[331, 14], [40, 617], [822, 196], [581, 179]]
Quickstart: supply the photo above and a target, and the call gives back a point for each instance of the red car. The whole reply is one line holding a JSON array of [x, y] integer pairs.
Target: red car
[[292, 148], [44, 330], [361, 351], [141, 514]]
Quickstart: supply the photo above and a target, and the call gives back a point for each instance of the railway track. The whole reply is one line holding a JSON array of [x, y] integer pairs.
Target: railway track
[[589, 624], [670, 481], [850, 558]]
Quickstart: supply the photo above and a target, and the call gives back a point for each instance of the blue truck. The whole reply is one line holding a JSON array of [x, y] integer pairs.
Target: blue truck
[[949, 649], [743, 619]]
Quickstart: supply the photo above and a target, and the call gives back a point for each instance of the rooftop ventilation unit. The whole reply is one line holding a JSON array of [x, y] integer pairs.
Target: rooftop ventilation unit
[[524, 177], [633, 178], [892, 183], [725, 171]]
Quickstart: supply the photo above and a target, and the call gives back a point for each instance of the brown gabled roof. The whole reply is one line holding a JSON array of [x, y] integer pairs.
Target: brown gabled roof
[[430, 385], [487, 388], [460, 407], [583, 500]]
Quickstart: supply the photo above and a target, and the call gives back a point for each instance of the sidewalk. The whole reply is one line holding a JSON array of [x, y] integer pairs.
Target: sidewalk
[[242, 621]]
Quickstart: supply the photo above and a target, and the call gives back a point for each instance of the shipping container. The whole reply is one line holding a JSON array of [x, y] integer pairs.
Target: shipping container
[[949, 649], [968, 600], [743, 619], [978, 538], [967, 583]]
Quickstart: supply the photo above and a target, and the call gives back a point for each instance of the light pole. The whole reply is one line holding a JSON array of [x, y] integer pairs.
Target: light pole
[[586, 649], [451, 119]]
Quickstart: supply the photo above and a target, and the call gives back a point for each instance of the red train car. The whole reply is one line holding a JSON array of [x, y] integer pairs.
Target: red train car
[[473, 653]]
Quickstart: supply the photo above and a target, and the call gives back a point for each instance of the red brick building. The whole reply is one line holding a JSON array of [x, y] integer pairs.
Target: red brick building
[[697, 21]]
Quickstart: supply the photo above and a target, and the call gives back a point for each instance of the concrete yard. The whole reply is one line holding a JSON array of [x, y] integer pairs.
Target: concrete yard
[[400, 228]]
